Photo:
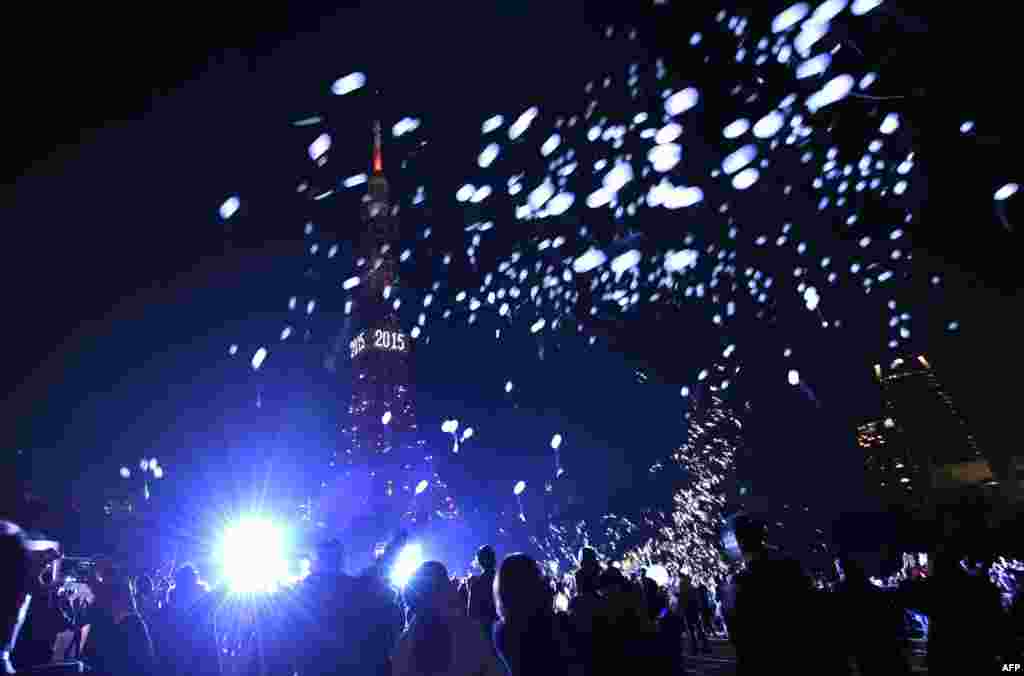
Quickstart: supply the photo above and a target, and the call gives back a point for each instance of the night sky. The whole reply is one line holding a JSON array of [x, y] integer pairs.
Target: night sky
[[125, 289]]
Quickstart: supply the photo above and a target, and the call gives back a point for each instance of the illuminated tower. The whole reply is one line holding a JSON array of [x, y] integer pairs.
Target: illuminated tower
[[932, 437], [381, 442], [382, 476], [931, 424], [891, 472]]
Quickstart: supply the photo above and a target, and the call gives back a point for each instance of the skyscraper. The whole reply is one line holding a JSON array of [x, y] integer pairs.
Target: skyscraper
[[923, 433], [922, 409], [890, 470]]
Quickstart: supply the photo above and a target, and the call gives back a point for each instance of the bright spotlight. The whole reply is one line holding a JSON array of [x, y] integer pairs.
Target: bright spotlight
[[422, 486], [659, 575], [562, 602], [253, 556], [409, 559], [519, 487]]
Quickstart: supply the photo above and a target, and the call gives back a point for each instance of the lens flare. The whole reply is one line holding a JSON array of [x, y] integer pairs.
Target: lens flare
[[409, 559], [253, 556]]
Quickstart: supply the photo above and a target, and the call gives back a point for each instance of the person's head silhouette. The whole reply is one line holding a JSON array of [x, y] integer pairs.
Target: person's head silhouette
[[487, 559], [751, 536], [588, 558], [330, 557], [429, 588], [186, 586], [186, 576], [431, 597], [520, 588]]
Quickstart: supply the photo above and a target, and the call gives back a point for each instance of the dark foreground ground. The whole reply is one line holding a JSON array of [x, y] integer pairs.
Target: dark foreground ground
[[722, 660]]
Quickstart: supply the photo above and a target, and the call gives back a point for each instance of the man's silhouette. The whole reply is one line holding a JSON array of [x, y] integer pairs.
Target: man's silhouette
[[481, 605]]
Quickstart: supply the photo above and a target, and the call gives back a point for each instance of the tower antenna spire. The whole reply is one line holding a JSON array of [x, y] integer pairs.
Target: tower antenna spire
[[378, 155]]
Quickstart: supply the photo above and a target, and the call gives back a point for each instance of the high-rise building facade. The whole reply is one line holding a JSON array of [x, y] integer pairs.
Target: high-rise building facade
[[924, 412], [891, 472], [923, 443]]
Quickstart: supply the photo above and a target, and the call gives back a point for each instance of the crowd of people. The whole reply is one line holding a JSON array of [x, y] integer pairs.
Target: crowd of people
[[505, 619]]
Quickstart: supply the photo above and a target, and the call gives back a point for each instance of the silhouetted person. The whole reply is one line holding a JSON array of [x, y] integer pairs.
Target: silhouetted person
[[464, 592], [145, 596], [325, 601], [441, 639], [384, 618], [726, 593], [653, 597], [350, 624], [870, 624], [44, 619], [186, 642], [117, 641], [585, 609], [623, 630], [528, 636], [187, 589], [691, 602], [774, 598], [481, 606], [14, 590], [965, 615], [707, 609], [670, 632], [589, 570], [1015, 628]]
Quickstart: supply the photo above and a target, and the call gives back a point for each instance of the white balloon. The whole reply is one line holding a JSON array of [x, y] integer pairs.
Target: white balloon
[[681, 101], [229, 207], [348, 84], [1006, 192], [491, 123], [320, 146], [593, 258], [790, 17]]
